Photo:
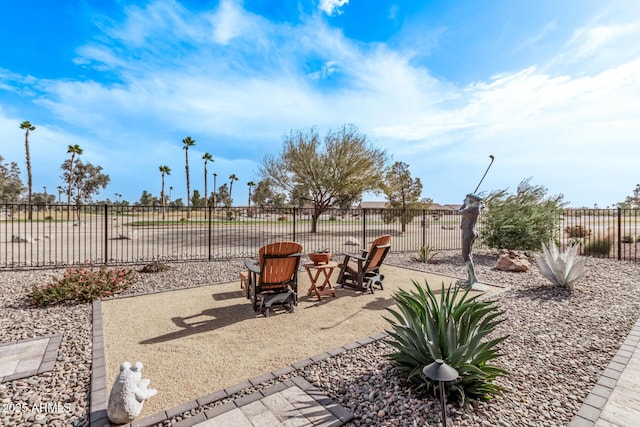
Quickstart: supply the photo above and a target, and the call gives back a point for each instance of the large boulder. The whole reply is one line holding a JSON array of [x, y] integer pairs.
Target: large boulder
[[352, 241], [512, 261]]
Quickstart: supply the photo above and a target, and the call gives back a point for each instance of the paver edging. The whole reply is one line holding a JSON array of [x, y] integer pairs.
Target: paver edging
[[225, 399], [594, 403]]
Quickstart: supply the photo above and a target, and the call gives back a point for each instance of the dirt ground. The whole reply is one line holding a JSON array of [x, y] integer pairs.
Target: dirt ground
[[196, 341]]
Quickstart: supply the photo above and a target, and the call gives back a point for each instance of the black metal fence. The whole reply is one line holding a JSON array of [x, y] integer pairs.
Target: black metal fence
[[114, 234]]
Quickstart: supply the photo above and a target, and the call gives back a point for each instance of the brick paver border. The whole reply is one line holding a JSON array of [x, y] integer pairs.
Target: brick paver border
[[596, 400], [46, 363]]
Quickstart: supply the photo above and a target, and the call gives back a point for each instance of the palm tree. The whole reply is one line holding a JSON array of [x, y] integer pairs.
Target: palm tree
[[164, 170], [27, 126], [188, 142], [250, 184], [232, 178], [215, 190], [206, 157], [73, 150]]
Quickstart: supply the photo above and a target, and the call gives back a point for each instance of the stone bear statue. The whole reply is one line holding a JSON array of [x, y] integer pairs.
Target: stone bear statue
[[128, 393]]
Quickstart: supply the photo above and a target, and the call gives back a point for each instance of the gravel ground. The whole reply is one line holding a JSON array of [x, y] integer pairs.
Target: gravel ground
[[559, 343]]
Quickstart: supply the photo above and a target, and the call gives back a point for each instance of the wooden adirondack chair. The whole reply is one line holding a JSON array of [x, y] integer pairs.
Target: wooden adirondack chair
[[274, 278], [362, 272]]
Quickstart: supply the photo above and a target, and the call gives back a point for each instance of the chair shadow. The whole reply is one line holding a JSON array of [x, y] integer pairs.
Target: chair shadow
[[379, 303], [209, 320]]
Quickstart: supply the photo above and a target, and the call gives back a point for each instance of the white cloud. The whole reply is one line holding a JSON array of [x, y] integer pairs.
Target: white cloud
[[331, 7], [248, 80]]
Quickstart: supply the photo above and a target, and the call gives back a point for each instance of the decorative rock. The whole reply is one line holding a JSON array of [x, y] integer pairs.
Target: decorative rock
[[352, 241], [511, 261], [128, 235], [128, 394], [16, 238]]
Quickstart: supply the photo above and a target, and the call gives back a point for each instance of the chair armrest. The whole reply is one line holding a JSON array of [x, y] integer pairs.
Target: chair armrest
[[354, 256], [252, 266]]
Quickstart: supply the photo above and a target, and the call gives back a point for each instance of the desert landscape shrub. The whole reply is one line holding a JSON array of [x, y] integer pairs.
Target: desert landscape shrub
[[521, 221], [451, 327], [82, 284], [597, 247], [579, 231]]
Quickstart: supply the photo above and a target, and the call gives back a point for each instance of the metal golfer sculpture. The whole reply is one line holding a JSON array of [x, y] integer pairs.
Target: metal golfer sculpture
[[470, 211]]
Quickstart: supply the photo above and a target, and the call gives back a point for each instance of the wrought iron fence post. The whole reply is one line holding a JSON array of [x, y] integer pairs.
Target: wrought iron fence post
[[424, 228], [106, 233], [619, 234], [364, 227], [295, 210], [209, 237]]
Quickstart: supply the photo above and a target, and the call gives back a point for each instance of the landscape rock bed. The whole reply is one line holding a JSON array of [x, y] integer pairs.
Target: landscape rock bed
[[559, 343]]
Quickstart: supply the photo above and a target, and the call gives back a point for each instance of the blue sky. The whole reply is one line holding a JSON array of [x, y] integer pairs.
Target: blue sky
[[551, 88]]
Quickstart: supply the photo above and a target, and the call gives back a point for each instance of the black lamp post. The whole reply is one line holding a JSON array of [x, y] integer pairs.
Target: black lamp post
[[441, 372]]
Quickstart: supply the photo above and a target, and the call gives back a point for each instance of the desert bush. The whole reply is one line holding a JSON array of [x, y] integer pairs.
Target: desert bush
[[283, 218], [627, 239], [82, 284], [597, 247], [561, 268], [579, 231], [451, 327], [520, 221], [155, 267]]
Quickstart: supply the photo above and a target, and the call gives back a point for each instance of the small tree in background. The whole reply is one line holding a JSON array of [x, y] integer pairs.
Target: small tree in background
[[27, 126], [223, 196], [196, 200], [87, 179], [521, 221], [250, 184], [10, 183], [632, 201], [403, 193], [232, 178], [346, 164], [186, 143], [164, 170], [265, 197], [207, 158], [73, 150]]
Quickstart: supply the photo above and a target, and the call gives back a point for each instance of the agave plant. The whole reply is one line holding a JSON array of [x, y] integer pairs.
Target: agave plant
[[561, 268], [425, 254], [453, 327]]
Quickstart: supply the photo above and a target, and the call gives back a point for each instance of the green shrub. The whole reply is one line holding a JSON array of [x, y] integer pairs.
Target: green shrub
[[332, 218], [627, 239], [453, 328], [425, 254], [598, 247], [579, 231], [521, 221], [82, 284]]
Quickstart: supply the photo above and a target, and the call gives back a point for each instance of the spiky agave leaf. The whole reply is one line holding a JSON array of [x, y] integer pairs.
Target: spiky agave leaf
[[561, 268], [452, 327]]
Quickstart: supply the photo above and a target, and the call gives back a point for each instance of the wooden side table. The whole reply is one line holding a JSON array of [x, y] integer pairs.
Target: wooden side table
[[322, 271]]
